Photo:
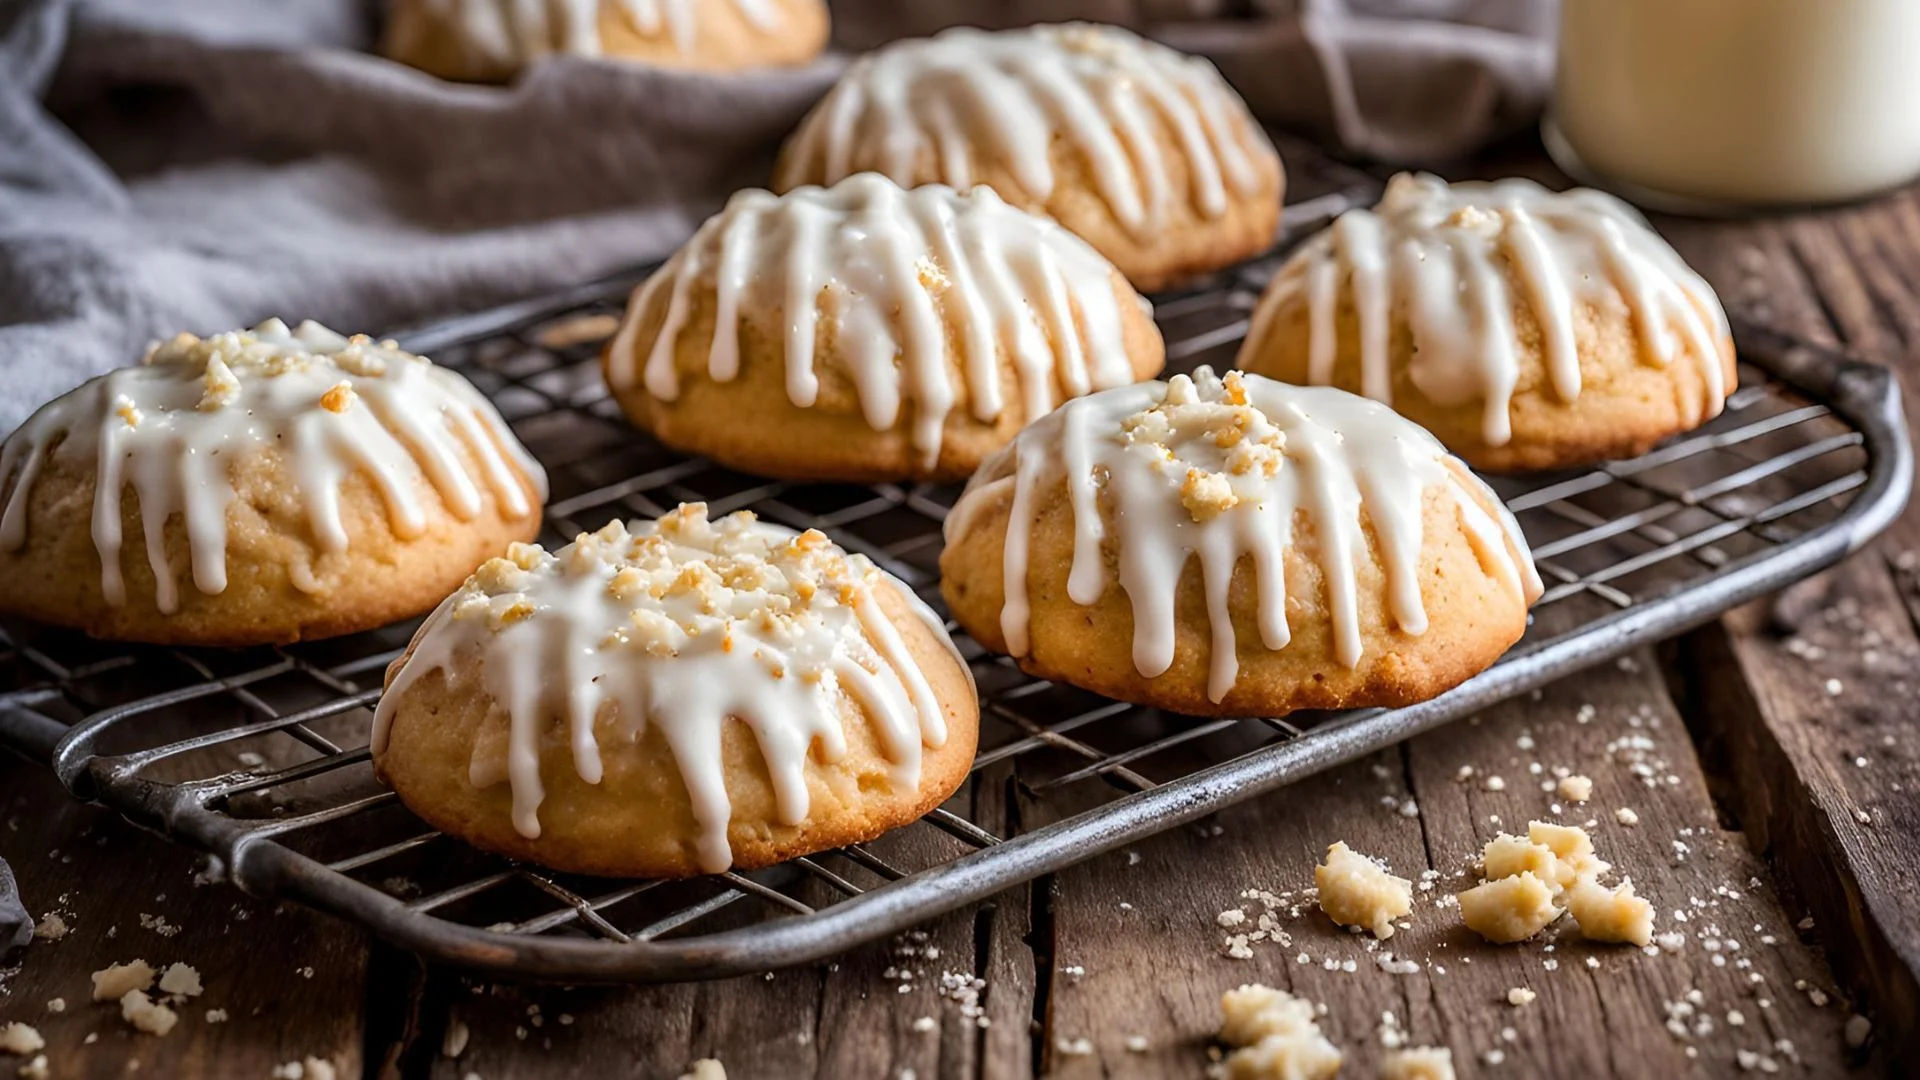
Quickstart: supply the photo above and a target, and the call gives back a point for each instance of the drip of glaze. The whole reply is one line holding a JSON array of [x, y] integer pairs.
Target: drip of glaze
[[682, 624], [1177, 488], [330, 405], [893, 269], [1442, 254], [965, 97], [516, 31]]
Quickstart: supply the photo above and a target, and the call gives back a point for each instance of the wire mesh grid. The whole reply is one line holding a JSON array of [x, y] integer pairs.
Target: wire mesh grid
[[259, 757]]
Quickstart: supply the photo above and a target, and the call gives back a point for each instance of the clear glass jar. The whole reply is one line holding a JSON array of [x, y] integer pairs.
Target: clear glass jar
[[1704, 104]]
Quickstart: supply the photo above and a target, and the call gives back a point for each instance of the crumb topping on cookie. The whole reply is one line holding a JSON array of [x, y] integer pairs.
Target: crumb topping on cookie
[[1456, 261], [684, 578], [1226, 468], [968, 98], [329, 405], [684, 622], [925, 291], [1218, 445], [272, 350]]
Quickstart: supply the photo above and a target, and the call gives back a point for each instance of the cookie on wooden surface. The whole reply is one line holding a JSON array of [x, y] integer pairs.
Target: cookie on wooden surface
[[493, 40], [1145, 152]]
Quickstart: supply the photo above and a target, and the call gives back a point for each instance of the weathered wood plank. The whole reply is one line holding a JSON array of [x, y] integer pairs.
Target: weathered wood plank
[[1153, 970], [291, 981], [1823, 776], [1604, 1021], [1007, 961], [846, 1018], [1850, 278]]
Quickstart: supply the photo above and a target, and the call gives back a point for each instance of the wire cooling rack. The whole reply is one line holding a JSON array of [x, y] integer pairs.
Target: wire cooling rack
[[259, 757]]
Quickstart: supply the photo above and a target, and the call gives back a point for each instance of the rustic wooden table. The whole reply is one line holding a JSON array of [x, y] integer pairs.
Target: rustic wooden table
[[1772, 759]]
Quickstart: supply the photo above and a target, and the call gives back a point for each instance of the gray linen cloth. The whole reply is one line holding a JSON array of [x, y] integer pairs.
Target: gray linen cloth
[[204, 164]]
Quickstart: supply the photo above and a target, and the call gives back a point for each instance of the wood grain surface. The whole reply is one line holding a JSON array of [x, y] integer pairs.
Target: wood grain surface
[[1772, 761]]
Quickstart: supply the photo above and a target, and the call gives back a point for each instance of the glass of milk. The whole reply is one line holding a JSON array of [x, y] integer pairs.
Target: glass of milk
[[1716, 105]]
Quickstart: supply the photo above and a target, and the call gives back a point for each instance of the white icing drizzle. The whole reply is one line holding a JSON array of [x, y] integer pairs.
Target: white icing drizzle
[[1225, 470], [330, 405], [512, 32], [966, 96], [683, 623], [893, 269], [1448, 257]]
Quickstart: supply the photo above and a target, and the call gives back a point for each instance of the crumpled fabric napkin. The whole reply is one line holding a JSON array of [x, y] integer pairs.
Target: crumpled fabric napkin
[[16, 926], [198, 165]]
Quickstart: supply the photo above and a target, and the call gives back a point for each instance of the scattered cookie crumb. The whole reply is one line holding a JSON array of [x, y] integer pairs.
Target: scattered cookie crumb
[[1358, 891], [1277, 1036], [308, 1069], [1508, 909], [216, 1016], [1252, 1012], [158, 924], [1528, 881], [1626, 816], [181, 979], [1570, 844], [21, 1039], [1857, 1031], [1576, 788], [1418, 1063], [36, 1069], [146, 1015], [1137, 1044], [1519, 996], [112, 983], [705, 1069], [1508, 856], [1614, 914], [57, 1005], [51, 928], [454, 1043]]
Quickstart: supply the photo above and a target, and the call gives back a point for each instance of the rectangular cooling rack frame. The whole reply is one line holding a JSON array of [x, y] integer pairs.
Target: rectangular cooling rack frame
[[1809, 461]]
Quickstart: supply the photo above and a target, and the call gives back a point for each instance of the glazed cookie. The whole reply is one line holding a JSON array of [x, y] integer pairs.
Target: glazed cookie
[[492, 40], [1236, 547], [1145, 152], [678, 699], [1526, 329], [285, 484], [868, 332]]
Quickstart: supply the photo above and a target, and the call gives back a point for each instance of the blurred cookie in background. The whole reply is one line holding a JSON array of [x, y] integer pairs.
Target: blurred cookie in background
[[494, 40], [1144, 152]]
